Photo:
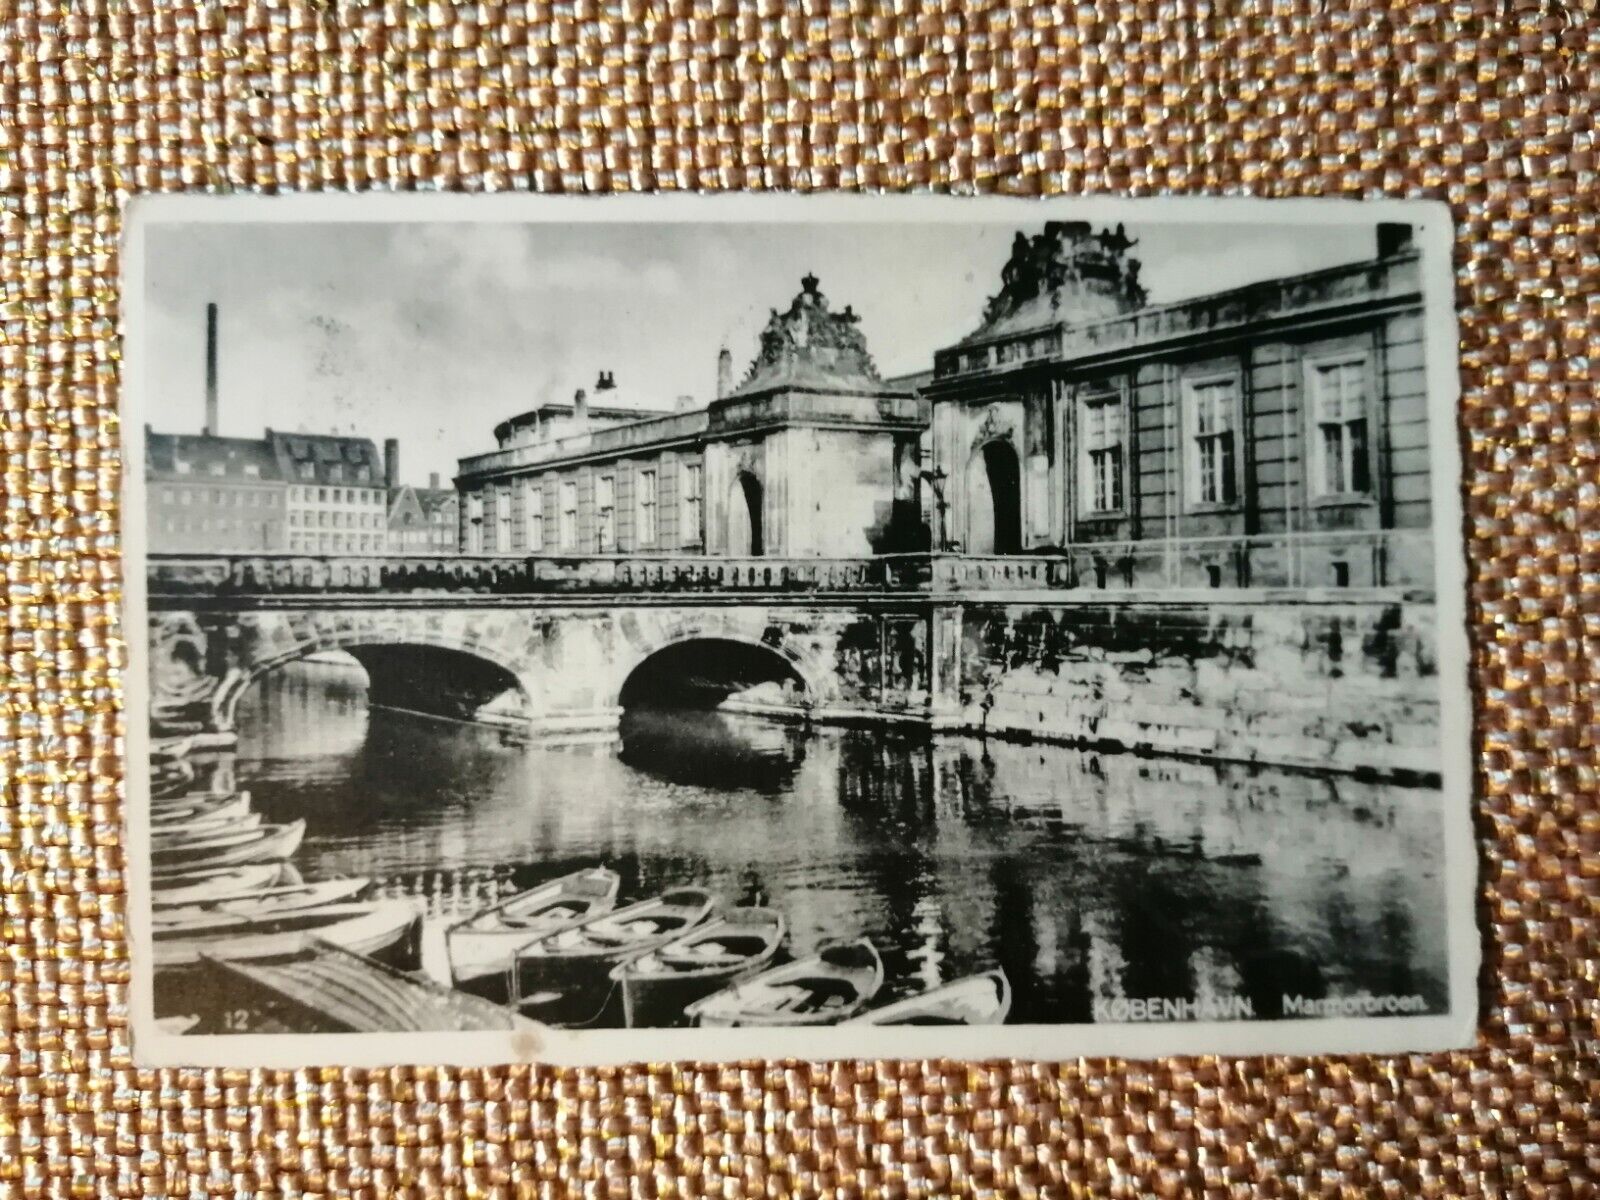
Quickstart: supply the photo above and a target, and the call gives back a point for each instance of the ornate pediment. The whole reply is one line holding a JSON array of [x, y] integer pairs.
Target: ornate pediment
[[810, 345], [1068, 273]]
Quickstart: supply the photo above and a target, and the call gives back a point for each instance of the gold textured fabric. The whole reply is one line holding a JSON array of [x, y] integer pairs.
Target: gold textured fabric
[[1490, 104]]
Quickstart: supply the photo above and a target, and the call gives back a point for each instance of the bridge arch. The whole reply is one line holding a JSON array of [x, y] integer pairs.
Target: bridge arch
[[415, 669], [742, 659]]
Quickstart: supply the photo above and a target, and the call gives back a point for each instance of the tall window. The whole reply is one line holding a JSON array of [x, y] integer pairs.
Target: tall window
[[1213, 405], [646, 485], [605, 506], [1339, 407], [475, 523], [693, 505], [569, 515], [1100, 462], [533, 518], [502, 520]]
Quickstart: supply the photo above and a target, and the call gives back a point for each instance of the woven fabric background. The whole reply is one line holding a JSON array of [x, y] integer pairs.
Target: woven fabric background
[[1490, 104]]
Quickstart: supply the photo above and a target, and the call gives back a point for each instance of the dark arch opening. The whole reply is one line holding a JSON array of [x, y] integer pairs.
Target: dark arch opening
[[707, 671], [673, 728], [750, 537], [428, 680], [1005, 490]]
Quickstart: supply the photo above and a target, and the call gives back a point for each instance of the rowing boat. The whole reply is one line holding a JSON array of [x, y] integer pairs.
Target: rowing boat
[[386, 930], [482, 947], [332, 990], [171, 748], [201, 806], [183, 887], [821, 989], [975, 1000], [253, 845], [659, 985], [188, 830], [256, 905], [555, 977]]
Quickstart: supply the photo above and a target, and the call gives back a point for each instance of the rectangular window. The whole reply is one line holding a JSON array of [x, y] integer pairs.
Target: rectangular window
[[475, 523], [569, 515], [646, 485], [1339, 446], [532, 517], [693, 505], [322, 495], [502, 520], [605, 505], [1212, 407], [1100, 459]]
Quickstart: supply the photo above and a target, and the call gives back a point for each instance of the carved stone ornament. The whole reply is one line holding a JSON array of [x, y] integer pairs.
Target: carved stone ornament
[[1067, 273], [810, 345], [994, 428]]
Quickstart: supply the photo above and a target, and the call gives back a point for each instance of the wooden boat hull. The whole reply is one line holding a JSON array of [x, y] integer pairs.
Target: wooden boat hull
[[659, 986], [564, 984], [481, 951], [199, 808], [186, 886], [389, 931], [269, 843], [170, 748], [260, 905], [976, 1000], [203, 828], [824, 988], [329, 989]]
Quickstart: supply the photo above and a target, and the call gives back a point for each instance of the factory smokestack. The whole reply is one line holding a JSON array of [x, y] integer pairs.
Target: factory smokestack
[[724, 373], [211, 371], [391, 463]]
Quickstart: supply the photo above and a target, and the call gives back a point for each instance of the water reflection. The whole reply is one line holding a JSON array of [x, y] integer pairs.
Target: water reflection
[[1085, 876]]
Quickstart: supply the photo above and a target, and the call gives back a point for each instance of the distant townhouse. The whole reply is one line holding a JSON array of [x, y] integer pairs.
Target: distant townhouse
[[208, 494], [338, 491], [423, 520]]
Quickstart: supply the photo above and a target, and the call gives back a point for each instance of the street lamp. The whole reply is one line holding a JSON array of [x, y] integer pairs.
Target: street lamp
[[935, 479]]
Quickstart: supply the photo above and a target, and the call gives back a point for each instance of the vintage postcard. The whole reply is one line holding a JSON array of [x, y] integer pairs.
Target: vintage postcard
[[589, 630]]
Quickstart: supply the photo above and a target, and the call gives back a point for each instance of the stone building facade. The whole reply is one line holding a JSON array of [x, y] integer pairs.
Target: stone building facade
[[734, 478], [337, 491], [423, 520], [207, 494], [1274, 434]]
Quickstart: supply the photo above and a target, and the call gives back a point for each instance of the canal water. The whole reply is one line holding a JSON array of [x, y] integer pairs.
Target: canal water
[[1088, 877]]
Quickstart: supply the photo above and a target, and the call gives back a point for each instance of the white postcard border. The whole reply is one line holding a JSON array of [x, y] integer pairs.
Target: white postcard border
[[1288, 1036]]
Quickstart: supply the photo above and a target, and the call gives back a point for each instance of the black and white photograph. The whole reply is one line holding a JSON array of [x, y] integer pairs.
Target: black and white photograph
[[603, 629]]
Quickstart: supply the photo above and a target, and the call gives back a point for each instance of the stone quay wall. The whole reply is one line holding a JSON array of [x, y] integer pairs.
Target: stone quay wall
[[1304, 681]]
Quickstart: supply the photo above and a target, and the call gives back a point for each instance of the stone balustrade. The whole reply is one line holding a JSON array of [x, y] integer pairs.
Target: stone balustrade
[[1347, 559]]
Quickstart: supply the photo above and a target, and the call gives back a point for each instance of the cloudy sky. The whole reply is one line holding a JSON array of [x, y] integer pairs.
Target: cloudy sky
[[434, 332]]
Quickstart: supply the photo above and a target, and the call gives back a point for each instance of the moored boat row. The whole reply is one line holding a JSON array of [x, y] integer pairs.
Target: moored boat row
[[565, 954], [224, 889]]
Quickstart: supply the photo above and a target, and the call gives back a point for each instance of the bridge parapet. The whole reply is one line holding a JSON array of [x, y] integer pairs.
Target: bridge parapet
[[1346, 559], [246, 574]]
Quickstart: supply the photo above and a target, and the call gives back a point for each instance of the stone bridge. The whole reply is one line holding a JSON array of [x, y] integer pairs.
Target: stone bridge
[[1042, 647]]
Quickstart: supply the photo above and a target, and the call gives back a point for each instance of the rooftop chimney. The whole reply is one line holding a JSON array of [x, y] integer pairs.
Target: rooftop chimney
[[391, 463], [1393, 238], [724, 373], [211, 371], [580, 404], [606, 382], [433, 480]]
